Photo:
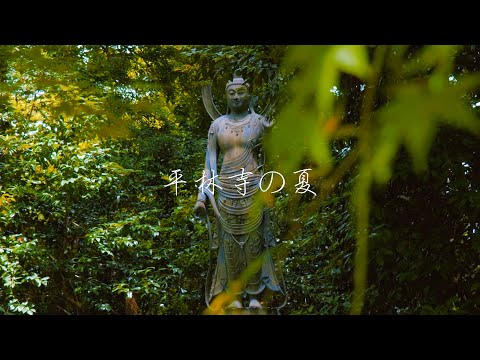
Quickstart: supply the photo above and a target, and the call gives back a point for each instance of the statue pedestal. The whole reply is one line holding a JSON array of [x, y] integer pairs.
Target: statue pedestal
[[249, 311]]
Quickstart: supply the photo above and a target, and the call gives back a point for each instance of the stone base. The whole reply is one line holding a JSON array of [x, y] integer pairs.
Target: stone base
[[249, 311]]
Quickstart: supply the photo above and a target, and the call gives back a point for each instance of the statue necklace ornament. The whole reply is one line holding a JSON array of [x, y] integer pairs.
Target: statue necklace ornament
[[238, 127]]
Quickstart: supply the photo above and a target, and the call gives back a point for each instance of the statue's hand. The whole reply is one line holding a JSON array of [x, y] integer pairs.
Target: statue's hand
[[200, 210]]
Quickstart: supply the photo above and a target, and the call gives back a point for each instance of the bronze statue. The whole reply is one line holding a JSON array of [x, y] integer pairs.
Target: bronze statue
[[243, 231]]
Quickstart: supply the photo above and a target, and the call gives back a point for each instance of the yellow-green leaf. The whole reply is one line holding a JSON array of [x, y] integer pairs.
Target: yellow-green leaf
[[351, 59]]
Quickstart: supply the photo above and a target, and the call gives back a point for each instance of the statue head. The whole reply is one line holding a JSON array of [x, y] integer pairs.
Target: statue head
[[238, 97]]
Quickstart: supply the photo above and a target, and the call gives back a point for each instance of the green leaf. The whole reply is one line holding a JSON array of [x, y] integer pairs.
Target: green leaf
[[352, 59]]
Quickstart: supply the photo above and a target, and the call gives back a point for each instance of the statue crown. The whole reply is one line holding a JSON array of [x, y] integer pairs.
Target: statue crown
[[237, 81]]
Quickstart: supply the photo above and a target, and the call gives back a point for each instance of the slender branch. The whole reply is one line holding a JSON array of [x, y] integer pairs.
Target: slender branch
[[361, 193], [33, 106]]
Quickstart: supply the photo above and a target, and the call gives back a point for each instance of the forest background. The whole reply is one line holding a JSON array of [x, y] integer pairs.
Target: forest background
[[90, 135]]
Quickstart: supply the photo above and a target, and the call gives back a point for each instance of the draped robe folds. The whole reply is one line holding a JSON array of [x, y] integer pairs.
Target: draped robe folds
[[243, 232]]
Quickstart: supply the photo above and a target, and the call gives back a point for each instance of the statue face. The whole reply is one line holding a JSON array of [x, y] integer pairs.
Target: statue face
[[238, 98]]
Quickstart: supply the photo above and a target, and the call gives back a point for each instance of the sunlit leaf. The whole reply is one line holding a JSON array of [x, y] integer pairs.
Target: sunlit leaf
[[351, 59]]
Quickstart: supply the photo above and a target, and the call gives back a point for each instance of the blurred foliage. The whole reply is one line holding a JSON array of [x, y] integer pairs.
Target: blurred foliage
[[383, 105], [89, 136]]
